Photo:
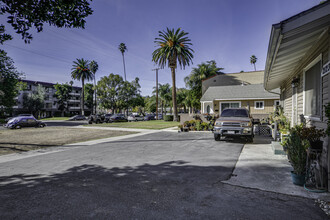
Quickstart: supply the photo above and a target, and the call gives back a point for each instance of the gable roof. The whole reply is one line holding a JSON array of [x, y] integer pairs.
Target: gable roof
[[253, 77], [239, 92]]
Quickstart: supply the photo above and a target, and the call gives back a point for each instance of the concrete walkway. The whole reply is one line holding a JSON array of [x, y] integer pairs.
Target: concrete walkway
[[259, 168]]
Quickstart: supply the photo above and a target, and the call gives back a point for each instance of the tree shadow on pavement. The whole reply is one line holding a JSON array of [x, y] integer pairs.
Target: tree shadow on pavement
[[169, 190]]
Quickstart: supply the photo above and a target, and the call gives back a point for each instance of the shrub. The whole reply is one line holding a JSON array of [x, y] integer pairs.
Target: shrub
[[296, 148], [168, 118], [186, 124], [199, 126], [205, 126], [192, 122]]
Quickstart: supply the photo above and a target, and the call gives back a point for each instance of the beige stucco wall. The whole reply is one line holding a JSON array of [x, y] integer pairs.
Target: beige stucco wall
[[269, 105]]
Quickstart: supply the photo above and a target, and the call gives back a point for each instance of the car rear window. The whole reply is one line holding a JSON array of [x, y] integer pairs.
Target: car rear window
[[234, 113]]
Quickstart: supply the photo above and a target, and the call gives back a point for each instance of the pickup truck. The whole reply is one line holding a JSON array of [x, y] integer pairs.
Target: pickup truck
[[234, 122]]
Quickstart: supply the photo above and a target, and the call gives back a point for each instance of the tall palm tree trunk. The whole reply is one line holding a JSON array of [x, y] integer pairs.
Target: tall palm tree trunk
[[124, 67], [175, 110], [95, 93], [83, 97], [254, 67]]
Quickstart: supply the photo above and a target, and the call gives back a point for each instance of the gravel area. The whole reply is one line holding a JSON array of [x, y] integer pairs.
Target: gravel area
[[21, 140]]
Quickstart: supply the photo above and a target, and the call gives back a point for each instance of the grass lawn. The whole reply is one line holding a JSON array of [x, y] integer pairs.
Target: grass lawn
[[25, 139], [55, 118], [154, 124]]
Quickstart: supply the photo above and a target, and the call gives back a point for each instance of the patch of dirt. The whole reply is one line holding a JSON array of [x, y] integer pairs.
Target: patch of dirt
[[21, 140]]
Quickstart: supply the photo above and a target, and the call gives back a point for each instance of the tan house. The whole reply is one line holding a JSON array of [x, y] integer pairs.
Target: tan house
[[259, 102], [298, 63], [242, 78]]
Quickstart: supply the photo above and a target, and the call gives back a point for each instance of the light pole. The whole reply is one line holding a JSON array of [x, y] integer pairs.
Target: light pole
[[156, 92]]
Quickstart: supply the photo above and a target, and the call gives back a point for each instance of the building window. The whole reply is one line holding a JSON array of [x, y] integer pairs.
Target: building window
[[277, 102], [259, 105], [312, 85], [224, 105]]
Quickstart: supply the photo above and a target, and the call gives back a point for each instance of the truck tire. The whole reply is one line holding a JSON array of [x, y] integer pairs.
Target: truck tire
[[217, 137]]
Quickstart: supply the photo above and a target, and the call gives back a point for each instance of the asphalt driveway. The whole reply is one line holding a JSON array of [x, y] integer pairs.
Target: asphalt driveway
[[162, 175]]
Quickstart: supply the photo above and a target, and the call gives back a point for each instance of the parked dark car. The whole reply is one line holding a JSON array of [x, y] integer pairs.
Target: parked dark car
[[149, 117], [96, 119], [160, 116], [107, 117], [77, 118], [118, 118], [24, 121], [20, 115]]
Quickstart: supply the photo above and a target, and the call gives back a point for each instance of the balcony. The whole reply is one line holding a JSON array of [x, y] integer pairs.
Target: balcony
[[74, 108], [74, 101]]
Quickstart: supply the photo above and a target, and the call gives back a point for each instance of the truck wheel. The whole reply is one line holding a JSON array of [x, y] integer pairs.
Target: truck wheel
[[249, 139], [217, 137]]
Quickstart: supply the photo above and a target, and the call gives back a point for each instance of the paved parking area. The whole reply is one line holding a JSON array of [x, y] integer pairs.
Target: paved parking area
[[163, 175]]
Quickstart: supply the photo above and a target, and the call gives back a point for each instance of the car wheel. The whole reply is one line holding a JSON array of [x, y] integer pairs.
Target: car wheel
[[41, 125], [217, 137], [18, 127]]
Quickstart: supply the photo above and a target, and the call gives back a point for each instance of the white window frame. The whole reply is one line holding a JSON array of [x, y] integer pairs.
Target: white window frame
[[220, 103], [310, 65], [277, 101], [263, 105]]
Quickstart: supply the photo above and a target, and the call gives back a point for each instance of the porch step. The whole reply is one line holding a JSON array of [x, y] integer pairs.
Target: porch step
[[277, 148]]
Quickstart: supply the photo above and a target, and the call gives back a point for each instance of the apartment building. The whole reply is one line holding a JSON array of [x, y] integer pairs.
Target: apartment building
[[50, 105]]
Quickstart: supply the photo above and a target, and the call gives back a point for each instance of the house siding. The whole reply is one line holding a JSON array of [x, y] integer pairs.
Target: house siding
[[321, 48], [257, 113]]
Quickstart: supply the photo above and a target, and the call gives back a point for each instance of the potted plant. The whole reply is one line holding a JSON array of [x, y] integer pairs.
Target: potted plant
[[313, 135], [297, 154]]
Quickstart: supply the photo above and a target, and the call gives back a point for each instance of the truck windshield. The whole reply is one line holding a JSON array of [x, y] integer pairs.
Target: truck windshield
[[234, 113]]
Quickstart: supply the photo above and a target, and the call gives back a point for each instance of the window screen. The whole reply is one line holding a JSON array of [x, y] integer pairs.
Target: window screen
[[312, 90]]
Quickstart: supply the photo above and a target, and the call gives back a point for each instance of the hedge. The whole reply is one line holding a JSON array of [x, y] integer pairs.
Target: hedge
[[168, 118]]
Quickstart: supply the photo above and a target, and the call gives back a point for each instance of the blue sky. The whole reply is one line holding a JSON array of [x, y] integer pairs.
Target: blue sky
[[227, 31]]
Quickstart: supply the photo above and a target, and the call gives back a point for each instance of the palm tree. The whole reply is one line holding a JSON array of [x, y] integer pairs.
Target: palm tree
[[93, 66], [164, 94], [173, 49], [202, 71], [80, 71], [253, 60], [122, 47]]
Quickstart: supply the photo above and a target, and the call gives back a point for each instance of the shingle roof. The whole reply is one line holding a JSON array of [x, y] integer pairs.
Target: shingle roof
[[255, 91]]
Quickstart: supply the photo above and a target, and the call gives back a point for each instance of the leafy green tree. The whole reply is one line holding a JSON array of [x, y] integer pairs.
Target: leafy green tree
[[9, 83], [253, 60], [93, 66], [150, 103], [62, 95], [174, 48], [34, 102], [198, 74], [80, 71], [89, 93], [130, 94], [122, 48], [23, 15], [108, 91]]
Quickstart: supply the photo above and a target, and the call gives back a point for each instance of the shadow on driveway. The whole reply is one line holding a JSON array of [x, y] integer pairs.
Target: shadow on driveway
[[169, 190]]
